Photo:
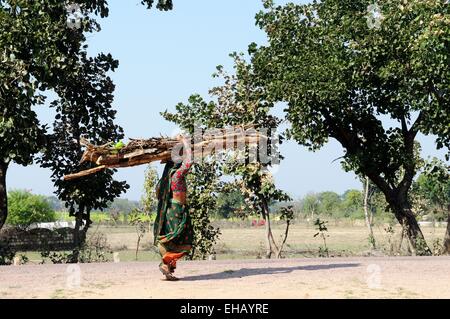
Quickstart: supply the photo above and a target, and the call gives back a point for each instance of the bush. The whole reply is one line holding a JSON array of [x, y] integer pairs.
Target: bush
[[7, 254], [26, 209], [95, 250]]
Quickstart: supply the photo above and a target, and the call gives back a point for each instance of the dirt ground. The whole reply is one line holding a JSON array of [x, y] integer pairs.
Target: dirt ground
[[359, 277]]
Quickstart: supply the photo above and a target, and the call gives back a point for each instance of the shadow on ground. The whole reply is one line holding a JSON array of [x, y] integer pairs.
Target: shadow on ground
[[247, 272]]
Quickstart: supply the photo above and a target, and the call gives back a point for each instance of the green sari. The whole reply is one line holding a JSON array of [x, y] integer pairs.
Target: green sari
[[173, 227]]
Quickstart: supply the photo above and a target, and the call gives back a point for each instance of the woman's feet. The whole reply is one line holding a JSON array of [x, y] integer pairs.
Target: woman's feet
[[168, 272]]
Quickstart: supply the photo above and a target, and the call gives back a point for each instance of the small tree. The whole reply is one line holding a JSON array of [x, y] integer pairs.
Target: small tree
[[149, 200], [84, 109], [239, 102], [141, 222], [433, 185], [228, 202], [368, 213], [204, 185], [310, 205], [26, 209], [322, 232]]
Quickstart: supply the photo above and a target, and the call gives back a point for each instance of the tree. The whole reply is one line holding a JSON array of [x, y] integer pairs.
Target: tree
[[310, 204], [433, 185], [30, 65], [39, 51], [43, 51], [204, 185], [229, 202], [84, 109], [352, 203], [329, 203], [26, 209], [149, 199], [368, 213], [239, 102], [339, 73]]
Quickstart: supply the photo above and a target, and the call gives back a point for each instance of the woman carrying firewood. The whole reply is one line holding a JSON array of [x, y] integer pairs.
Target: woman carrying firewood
[[173, 229]]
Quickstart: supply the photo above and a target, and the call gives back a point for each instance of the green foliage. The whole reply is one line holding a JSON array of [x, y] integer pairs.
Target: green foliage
[[54, 61], [352, 204], [229, 202], [89, 115], [340, 76], [322, 231], [347, 205], [431, 190], [141, 223], [237, 102], [203, 185], [309, 205], [26, 209], [286, 213], [328, 202], [149, 200]]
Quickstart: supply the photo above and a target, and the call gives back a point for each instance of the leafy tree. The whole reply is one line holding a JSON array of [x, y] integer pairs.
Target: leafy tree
[[339, 75], [229, 202], [239, 102], [31, 62], [329, 203], [352, 203], [84, 109], [43, 51], [310, 204], [203, 182], [433, 185], [26, 209], [40, 52], [149, 199], [141, 224], [204, 185]]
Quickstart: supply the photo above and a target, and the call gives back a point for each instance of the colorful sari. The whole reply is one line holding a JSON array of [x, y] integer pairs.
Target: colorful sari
[[173, 228]]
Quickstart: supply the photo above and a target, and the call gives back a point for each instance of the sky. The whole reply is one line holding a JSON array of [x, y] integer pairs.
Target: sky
[[167, 56]]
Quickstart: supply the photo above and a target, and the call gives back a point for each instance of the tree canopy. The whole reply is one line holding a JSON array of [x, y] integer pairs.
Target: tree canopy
[[341, 74], [44, 56]]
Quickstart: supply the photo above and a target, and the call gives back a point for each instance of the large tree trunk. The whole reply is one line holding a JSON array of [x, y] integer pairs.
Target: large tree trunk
[[405, 216], [3, 194], [447, 236], [367, 215]]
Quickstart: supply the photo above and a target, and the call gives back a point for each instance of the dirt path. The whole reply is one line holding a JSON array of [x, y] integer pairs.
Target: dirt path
[[401, 277]]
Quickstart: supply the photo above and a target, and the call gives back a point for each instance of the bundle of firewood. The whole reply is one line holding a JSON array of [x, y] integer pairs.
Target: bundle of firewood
[[145, 151]]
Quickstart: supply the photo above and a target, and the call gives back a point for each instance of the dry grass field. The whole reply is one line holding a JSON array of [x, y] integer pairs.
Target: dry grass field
[[352, 271], [246, 242]]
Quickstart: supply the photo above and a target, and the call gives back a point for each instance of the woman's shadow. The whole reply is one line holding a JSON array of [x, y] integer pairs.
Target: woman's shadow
[[246, 272]]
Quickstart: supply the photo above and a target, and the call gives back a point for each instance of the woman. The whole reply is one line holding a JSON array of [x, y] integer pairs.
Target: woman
[[173, 229]]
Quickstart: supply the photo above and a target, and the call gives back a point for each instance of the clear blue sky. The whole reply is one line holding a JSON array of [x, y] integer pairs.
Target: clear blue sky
[[165, 57]]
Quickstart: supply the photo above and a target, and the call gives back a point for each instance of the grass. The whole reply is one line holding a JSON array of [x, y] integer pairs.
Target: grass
[[246, 242]]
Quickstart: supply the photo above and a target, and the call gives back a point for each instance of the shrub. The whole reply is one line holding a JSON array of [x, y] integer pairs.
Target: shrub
[[26, 208], [7, 254]]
